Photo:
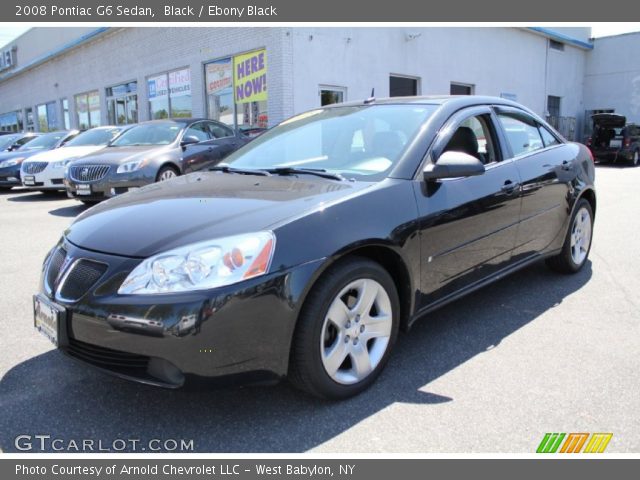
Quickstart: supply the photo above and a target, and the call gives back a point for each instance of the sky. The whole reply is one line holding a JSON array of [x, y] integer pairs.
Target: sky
[[7, 34]]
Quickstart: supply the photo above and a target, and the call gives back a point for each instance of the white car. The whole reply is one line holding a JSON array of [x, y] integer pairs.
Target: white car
[[45, 171]]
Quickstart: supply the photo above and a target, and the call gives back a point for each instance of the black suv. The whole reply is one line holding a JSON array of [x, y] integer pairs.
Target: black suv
[[614, 139]]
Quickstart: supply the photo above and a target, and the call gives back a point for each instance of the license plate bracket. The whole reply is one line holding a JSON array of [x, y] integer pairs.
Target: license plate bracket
[[83, 189], [49, 319]]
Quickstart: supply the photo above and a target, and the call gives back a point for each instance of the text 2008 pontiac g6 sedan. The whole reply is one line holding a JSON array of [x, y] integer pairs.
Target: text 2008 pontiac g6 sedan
[[307, 251]]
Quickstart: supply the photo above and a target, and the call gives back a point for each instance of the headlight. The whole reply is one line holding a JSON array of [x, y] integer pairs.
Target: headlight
[[11, 163], [61, 163], [203, 265], [132, 166]]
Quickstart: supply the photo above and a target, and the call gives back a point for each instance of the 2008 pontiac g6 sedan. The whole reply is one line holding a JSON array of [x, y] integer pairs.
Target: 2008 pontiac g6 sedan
[[311, 247]]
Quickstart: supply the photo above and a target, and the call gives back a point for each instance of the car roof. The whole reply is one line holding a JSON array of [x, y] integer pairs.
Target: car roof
[[459, 100], [176, 120]]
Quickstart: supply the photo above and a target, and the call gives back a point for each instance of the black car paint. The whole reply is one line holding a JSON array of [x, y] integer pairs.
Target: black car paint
[[438, 239]]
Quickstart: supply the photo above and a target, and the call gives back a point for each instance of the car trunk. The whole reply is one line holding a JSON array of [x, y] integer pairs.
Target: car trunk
[[608, 129]]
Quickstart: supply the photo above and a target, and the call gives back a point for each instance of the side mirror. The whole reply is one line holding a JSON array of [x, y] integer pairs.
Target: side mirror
[[189, 140], [453, 165], [14, 147]]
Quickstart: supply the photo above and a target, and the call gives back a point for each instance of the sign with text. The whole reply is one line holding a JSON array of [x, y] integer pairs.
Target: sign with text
[[157, 86], [180, 83], [250, 77], [219, 76]]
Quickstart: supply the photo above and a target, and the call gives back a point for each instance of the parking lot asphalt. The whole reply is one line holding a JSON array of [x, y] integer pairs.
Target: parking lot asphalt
[[536, 352]]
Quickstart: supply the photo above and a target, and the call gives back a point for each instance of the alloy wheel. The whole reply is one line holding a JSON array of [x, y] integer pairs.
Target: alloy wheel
[[356, 331], [167, 174], [580, 236]]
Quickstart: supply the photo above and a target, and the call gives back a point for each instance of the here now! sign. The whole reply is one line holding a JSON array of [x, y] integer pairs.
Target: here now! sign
[[250, 77]]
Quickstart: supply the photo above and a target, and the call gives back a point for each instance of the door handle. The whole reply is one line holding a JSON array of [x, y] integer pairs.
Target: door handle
[[566, 165], [509, 187]]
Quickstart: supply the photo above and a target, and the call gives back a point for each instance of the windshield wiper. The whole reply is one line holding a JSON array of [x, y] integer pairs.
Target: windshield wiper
[[320, 172], [242, 171]]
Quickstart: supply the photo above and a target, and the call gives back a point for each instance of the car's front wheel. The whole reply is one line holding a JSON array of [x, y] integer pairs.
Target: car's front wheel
[[577, 244], [166, 173], [346, 330]]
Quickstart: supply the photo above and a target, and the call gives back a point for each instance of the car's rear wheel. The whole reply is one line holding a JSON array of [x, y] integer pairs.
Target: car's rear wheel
[[166, 173], [577, 244], [346, 330], [635, 160]]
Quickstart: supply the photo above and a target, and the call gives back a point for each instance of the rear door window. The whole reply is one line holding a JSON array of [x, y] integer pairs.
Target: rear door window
[[522, 133]]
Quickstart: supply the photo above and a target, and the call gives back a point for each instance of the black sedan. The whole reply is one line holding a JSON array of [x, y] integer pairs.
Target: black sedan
[[307, 251], [150, 152], [11, 162]]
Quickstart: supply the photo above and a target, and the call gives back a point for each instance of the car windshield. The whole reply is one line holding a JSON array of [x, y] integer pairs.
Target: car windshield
[[7, 140], [162, 133], [354, 141], [94, 137], [44, 142]]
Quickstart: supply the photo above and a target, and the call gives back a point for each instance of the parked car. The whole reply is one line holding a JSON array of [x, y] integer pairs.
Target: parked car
[[45, 171], [614, 139], [11, 162], [146, 153], [13, 141], [305, 252]]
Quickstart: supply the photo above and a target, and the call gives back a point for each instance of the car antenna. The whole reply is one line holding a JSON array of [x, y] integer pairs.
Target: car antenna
[[372, 98]]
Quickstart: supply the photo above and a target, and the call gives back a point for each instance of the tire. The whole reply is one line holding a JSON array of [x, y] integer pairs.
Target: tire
[[635, 161], [326, 353], [5, 189], [166, 173], [90, 203], [577, 243]]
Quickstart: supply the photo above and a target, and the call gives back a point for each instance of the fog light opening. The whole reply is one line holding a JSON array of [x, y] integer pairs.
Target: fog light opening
[[165, 371]]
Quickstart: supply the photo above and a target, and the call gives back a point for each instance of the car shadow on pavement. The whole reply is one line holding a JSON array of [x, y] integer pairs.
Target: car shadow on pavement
[[71, 211], [40, 197], [613, 165], [50, 394]]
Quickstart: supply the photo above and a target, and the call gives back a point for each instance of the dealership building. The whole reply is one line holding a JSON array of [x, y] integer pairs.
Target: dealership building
[[55, 77]]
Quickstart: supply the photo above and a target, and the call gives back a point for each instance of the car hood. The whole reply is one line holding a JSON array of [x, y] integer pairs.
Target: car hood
[[19, 154], [201, 206], [120, 155], [65, 153], [610, 120]]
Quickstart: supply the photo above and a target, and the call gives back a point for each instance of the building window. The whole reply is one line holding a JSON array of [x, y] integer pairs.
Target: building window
[[30, 126], [556, 45], [88, 110], [331, 95], [66, 120], [553, 106], [250, 89], [219, 89], [461, 89], [11, 121], [401, 86], [236, 90], [122, 104], [170, 94], [47, 117]]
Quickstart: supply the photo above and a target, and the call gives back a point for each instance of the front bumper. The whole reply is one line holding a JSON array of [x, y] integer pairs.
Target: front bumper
[[240, 330], [109, 186], [49, 179], [10, 176]]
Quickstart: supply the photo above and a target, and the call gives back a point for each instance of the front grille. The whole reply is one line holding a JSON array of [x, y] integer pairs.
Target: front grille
[[34, 167], [82, 276], [106, 357], [88, 173], [53, 267]]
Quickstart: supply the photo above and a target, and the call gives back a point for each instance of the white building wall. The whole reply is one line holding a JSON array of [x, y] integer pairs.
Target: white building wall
[[127, 54], [494, 60], [612, 79]]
